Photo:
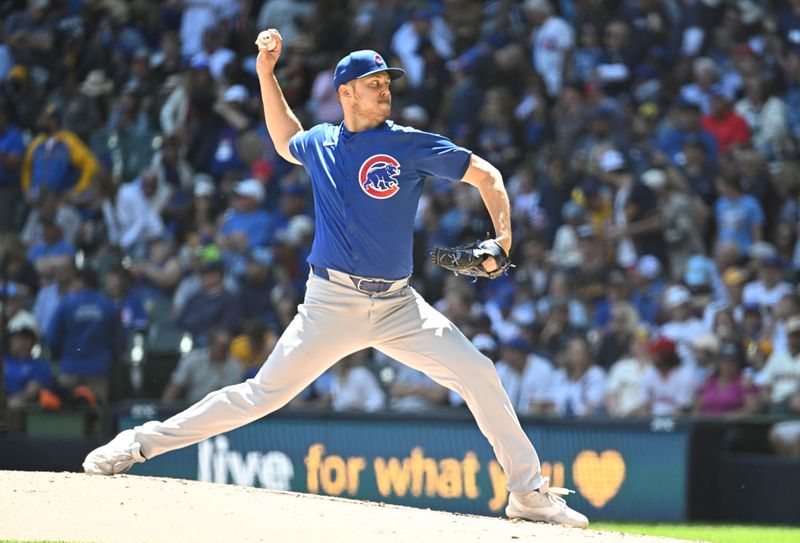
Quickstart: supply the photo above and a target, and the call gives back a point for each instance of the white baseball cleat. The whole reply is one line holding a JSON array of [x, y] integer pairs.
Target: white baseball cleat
[[545, 505], [116, 456]]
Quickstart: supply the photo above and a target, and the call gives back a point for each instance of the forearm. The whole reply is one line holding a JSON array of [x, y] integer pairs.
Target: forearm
[[487, 179], [167, 277], [645, 226], [282, 123], [496, 200], [172, 393]]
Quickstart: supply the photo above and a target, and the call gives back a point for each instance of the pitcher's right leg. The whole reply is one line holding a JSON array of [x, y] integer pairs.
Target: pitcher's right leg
[[313, 342]]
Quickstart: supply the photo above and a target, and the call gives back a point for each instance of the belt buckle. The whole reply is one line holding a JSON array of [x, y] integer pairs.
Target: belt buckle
[[373, 287]]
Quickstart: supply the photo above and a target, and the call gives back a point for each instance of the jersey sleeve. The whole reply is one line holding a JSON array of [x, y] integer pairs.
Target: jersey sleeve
[[437, 156], [302, 144], [299, 145]]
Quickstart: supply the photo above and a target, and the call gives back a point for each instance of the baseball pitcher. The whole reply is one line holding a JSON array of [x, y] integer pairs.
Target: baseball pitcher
[[367, 175]]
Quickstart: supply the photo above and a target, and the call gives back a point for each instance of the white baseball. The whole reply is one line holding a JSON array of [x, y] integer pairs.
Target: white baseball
[[266, 40]]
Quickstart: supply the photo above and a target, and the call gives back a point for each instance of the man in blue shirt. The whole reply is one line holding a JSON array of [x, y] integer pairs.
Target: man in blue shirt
[[24, 375], [245, 225], [367, 175], [740, 217], [132, 314], [85, 335], [50, 253]]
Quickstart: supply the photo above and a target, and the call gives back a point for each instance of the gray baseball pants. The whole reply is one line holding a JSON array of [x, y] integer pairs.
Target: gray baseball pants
[[335, 320]]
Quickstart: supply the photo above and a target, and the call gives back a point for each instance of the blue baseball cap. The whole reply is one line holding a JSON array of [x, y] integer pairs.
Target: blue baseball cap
[[362, 63]]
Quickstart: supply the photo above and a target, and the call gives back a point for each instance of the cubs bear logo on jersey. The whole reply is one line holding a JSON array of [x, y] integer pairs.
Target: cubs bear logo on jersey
[[378, 176]]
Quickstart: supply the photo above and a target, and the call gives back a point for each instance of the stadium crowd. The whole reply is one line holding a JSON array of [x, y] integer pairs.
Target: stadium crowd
[[650, 148]]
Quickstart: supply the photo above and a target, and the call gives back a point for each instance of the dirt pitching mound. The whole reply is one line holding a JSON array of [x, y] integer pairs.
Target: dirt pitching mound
[[74, 507]]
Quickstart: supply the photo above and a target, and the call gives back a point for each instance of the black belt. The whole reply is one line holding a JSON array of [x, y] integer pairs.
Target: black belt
[[370, 286]]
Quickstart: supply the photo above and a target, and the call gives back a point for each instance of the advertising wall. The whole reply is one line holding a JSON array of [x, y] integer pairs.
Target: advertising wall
[[624, 472]]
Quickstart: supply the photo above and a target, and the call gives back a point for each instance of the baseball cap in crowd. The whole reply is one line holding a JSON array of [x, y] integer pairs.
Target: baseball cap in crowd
[[612, 161], [686, 104], [591, 187], [96, 84], [199, 62], [585, 231], [469, 61], [9, 290], [648, 267], [209, 253], [762, 250], [236, 93], [250, 188], [213, 266], [793, 325], [571, 210], [676, 295], [518, 343], [262, 169], [415, 114], [18, 72], [733, 276], [53, 110], [362, 63], [300, 227], [602, 112], [23, 322], [649, 110], [484, 342], [721, 91], [262, 255], [204, 185], [697, 271], [661, 345], [706, 342], [655, 179]]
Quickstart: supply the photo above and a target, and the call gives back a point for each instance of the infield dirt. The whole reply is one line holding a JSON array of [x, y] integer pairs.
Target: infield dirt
[[129, 509]]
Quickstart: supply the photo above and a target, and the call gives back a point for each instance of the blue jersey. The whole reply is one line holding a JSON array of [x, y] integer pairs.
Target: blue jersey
[[366, 190], [85, 333], [19, 372]]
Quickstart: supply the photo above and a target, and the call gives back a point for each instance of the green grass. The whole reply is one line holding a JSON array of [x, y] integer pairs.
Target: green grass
[[713, 533]]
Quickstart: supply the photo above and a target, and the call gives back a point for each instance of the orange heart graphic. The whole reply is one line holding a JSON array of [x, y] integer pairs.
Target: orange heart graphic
[[598, 476]]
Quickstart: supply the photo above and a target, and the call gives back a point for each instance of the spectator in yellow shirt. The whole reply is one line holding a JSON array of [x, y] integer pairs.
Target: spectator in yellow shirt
[[253, 346], [56, 160]]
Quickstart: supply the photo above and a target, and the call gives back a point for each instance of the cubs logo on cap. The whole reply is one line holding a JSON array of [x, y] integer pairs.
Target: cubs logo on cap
[[378, 176], [360, 64]]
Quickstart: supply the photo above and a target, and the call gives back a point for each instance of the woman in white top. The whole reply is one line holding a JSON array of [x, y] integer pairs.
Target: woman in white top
[[625, 378], [579, 386], [667, 386], [354, 386]]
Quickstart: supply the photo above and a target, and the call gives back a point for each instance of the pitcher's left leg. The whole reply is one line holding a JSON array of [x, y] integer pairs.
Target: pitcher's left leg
[[414, 333], [417, 335]]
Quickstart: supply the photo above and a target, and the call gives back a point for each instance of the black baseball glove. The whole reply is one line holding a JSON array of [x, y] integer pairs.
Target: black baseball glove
[[468, 259]]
